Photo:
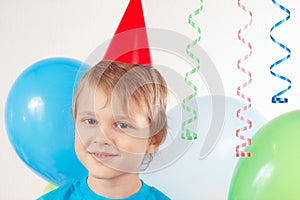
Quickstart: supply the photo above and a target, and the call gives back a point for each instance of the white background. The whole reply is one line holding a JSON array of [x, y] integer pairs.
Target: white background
[[36, 29]]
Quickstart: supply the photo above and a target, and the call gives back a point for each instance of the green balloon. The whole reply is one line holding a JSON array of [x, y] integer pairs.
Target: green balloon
[[273, 170], [49, 188]]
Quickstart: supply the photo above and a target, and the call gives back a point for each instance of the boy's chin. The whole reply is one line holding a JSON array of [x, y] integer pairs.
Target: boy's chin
[[110, 174]]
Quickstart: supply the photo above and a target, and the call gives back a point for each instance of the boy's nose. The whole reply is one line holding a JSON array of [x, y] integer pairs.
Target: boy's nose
[[101, 141], [103, 135]]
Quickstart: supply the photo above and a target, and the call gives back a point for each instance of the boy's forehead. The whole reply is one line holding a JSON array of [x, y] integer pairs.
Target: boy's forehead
[[91, 98], [90, 102], [98, 99]]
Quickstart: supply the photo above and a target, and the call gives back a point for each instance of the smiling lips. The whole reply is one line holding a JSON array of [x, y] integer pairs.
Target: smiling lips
[[103, 156]]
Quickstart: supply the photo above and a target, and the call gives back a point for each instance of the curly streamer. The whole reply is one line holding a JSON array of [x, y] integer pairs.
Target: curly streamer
[[276, 98], [247, 140], [187, 133]]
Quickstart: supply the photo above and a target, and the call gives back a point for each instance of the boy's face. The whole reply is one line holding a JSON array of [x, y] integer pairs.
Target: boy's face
[[110, 140]]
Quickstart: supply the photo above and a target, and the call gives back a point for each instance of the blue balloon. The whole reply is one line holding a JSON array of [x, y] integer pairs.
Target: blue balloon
[[39, 121]]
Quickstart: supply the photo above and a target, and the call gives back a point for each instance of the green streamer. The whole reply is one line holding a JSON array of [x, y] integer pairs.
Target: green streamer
[[187, 133]]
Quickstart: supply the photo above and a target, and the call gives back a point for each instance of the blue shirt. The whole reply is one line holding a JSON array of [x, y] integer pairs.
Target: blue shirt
[[79, 190]]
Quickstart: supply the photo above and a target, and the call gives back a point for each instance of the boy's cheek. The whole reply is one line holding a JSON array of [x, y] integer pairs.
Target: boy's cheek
[[83, 137], [80, 142], [77, 142]]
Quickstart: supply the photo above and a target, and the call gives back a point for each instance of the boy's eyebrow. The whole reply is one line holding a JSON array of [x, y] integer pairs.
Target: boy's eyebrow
[[121, 117], [87, 113], [125, 117]]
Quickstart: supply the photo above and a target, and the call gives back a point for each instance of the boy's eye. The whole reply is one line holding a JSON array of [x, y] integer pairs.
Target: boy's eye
[[122, 125], [90, 121]]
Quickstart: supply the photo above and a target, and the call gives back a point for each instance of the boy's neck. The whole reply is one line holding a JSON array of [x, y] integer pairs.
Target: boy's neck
[[118, 187]]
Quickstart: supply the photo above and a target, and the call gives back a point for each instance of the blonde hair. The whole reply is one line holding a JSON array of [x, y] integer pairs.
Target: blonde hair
[[143, 84]]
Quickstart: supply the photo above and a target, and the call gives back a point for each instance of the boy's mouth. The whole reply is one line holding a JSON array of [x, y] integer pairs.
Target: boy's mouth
[[103, 156]]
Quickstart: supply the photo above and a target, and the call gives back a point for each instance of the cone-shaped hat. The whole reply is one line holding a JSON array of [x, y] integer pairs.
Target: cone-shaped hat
[[130, 42]]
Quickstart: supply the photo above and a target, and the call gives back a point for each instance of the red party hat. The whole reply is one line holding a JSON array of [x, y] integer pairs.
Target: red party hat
[[130, 42]]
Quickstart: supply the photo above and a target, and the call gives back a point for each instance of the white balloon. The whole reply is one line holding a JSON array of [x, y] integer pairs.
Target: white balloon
[[201, 168]]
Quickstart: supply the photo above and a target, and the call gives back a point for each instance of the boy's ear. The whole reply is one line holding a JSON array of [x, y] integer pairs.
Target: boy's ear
[[153, 145]]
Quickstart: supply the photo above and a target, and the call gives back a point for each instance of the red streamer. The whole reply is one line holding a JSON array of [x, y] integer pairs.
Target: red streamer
[[247, 141]]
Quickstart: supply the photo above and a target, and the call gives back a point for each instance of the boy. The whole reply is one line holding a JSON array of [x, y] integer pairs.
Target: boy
[[119, 112]]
